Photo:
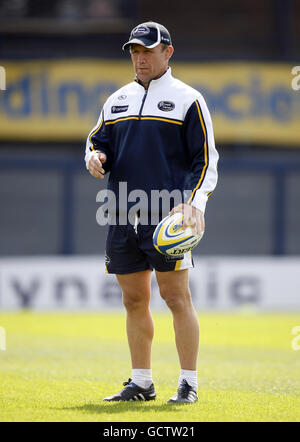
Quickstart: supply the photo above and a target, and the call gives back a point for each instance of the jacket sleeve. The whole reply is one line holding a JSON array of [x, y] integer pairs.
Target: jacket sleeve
[[98, 140], [199, 138]]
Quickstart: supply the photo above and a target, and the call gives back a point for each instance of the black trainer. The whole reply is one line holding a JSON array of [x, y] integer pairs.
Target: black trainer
[[133, 392], [185, 394]]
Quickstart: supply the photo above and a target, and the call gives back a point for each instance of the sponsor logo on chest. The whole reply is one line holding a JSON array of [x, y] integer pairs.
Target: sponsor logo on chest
[[118, 109], [166, 106]]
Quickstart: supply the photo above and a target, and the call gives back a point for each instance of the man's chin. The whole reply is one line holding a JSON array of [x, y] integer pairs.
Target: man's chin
[[143, 79], [144, 74]]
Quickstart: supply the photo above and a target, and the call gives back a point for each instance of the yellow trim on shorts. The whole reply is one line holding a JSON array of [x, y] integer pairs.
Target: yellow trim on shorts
[[178, 264]]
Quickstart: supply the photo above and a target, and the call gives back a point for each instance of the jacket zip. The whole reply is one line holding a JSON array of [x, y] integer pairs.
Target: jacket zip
[[142, 105]]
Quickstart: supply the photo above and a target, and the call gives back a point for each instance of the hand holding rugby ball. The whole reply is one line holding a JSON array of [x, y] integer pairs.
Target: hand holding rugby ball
[[169, 237]]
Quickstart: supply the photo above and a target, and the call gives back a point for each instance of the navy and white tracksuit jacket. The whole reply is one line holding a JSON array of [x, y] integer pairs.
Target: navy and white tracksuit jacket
[[160, 138]]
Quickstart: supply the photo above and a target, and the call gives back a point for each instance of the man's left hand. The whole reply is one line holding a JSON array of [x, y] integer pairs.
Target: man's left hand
[[191, 217]]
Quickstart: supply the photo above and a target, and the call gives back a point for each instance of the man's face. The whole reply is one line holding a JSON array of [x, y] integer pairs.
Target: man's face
[[150, 63]]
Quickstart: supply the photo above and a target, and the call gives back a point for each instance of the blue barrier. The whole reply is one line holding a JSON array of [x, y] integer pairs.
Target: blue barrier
[[69, 167]]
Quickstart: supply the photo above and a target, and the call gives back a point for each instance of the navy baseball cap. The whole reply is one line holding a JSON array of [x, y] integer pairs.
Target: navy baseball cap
[[148, 34]]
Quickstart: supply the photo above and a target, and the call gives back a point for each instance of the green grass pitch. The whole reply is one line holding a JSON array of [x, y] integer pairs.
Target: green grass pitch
[[58, 367]]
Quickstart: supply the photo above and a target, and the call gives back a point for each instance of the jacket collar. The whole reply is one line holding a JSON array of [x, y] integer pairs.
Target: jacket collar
[[166, 77]]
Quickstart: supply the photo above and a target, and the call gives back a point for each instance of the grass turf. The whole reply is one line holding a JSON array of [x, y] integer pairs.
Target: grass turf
[[58, 367]]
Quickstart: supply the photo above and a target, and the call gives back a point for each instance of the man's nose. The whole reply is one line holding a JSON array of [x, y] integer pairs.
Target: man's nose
[[141, 59]]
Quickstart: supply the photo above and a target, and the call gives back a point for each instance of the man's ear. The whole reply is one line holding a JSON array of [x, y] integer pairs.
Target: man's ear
[[170, 52]]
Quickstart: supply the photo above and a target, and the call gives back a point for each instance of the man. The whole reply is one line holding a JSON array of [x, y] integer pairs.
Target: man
[[154, 133]]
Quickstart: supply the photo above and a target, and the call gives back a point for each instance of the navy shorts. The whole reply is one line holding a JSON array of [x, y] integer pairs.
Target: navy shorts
[[129, 250]]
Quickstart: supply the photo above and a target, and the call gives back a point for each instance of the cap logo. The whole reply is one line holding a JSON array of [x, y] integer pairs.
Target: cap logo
[[140, 30]]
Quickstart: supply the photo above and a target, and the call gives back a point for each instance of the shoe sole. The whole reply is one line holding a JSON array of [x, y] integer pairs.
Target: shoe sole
[[129, 400], [181, 402]]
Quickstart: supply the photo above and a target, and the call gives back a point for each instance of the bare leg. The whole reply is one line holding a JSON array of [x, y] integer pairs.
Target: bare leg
[[174, 289], [136, 292]]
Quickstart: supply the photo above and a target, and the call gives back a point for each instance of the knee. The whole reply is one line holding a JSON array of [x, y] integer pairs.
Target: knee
[[175, 298], [134, 301]]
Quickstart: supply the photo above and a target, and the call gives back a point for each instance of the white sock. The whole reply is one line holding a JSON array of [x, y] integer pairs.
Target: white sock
[[190, 376], [142, 377]]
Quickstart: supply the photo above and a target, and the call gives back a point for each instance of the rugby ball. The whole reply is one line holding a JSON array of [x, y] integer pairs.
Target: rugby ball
[[169, 238]]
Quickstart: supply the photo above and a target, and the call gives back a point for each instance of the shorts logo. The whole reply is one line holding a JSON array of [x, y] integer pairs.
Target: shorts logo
[[118, 109], [122, 97], [140, 30], [107, 259], [166, 106], [170, 258]]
